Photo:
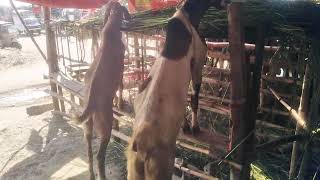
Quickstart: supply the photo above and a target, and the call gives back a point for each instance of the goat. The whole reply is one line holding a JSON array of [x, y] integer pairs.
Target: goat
[[102, 81], [160, 105]]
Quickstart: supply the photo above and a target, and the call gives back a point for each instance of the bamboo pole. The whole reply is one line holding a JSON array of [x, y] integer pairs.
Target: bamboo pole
[[303, 112], [305, 171], [293, 113], [52, 55], [238, 84]]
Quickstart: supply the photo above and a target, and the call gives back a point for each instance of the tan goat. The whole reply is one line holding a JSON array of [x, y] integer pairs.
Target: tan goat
[[160, 105], [102, 81]]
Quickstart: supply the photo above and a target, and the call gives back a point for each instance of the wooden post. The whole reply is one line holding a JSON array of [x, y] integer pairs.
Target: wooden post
[[303, 113], [51, 55], [250, 125], [239, 85]]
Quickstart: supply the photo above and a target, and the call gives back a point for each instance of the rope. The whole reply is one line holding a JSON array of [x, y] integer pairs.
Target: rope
[[236, 147]]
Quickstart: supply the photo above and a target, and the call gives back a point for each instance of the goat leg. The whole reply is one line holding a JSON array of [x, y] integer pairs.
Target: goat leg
[[120, 98], [88, 135], [194, 106], [103, 125]]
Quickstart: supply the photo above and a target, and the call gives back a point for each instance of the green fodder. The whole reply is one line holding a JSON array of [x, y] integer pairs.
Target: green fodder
[[271, 165]]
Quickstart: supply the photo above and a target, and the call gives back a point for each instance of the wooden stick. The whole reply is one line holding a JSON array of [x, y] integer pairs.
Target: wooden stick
[[271, 125], [278, 79], [197, 173], [28, 31], [275, 111], [292, 112], [280, 141]]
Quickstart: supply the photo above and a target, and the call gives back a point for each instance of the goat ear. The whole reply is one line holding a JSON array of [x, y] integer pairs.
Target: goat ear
[[178, 40], [125, 12]]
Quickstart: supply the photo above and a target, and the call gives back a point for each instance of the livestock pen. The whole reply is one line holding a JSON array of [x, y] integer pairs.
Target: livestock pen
[[260, 87]]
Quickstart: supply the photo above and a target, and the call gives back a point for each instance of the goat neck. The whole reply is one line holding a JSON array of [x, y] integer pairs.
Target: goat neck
[[195, 9]]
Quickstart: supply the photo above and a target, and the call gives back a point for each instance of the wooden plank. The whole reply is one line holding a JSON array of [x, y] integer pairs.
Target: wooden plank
[[200, 174], [218, 55], [214, 98], [274, 111], [283, 95], [74, 87], [207, 68], [120, 135], [212, 140], [278, 79], [214, 81]]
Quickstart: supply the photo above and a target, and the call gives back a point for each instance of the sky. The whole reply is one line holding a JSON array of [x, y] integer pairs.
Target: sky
[[7, 3]]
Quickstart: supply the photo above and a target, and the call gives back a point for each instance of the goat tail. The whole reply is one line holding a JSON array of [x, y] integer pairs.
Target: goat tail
[[82, 118]]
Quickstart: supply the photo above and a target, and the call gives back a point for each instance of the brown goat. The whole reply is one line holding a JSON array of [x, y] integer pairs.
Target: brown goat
[[160, 105], [101, 82]]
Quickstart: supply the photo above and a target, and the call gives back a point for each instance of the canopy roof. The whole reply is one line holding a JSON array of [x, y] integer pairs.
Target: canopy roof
[[80, 4], [134, 5]]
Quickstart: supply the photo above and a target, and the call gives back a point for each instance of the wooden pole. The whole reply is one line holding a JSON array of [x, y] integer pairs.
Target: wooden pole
[[303, 113], [249, 145], [238, 86], [305, 171], [51, 54]]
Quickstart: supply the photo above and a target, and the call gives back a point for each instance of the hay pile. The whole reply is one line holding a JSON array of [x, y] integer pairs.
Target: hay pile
[[296, 18], [281, 18]]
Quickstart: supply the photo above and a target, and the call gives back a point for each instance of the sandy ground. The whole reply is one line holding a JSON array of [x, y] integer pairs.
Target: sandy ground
[[37, 147]]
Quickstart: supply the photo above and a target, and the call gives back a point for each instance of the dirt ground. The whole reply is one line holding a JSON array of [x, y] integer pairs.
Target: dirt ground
[[39, 147]]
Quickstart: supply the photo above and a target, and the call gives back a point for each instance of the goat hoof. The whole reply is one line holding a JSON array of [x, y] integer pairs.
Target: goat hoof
[[92, 177], [195, 130], [186, 128]]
